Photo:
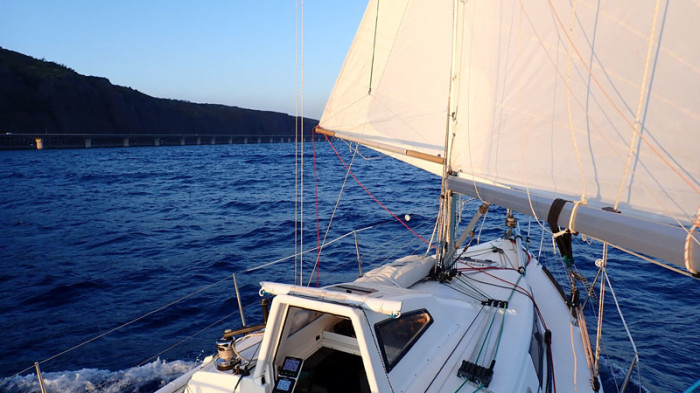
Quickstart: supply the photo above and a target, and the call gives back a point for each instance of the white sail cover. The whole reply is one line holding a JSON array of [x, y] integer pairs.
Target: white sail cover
[[586, 100]]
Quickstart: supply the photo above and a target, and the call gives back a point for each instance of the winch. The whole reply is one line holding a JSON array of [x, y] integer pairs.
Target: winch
[[226, 359]]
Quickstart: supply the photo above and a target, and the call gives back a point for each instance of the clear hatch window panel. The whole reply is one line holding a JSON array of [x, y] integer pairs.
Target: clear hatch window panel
[[397, 336], [299, 317]]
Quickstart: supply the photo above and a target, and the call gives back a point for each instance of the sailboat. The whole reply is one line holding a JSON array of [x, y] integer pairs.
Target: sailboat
[[579, 114]]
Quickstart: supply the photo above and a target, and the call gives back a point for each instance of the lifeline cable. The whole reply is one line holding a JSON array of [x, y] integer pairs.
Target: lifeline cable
[[317, 265]]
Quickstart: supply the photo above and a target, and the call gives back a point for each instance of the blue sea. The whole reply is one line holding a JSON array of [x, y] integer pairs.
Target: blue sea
[[117, 263]]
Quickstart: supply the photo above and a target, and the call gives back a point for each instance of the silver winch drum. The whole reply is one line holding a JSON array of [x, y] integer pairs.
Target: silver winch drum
[[225, 365], [224, 347]]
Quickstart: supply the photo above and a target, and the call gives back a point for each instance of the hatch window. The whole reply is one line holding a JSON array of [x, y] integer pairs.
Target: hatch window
[[397, 336], [297, 318], [536, 350]]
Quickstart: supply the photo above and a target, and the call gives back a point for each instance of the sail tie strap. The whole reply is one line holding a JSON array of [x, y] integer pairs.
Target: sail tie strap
[[561, 237], [572, 217]]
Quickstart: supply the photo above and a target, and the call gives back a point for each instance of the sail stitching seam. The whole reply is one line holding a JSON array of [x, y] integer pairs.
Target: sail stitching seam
[[617, 108], [637, 132], [568, 102]]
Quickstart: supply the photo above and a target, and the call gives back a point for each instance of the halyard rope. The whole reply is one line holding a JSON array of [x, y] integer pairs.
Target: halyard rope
[[372, 196]]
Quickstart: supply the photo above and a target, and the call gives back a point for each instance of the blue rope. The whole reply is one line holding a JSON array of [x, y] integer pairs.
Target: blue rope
[[692, 388], [460, 386], [465, 381]]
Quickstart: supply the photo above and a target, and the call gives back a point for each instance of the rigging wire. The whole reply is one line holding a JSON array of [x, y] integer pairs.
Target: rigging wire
[[612, 103], [434, 233], [379, 248], [616, 108], [371, 195], [359, 153], [301, 175], [115, 379], [296, 141], [103, 384], [601, 307], [316, 267], [483, 221], [220, 320], [306, 251], [176, 301], [650, 260], [335, 208], [126, 324], [396, 249], [622, 318]]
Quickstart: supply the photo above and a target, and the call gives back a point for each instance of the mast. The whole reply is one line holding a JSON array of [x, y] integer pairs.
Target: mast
[[448, 206]]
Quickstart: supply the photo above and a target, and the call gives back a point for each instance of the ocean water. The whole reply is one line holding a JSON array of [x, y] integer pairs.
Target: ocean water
[[116, 263]]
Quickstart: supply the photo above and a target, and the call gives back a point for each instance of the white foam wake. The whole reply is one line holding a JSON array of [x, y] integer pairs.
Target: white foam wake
[[146, 378]]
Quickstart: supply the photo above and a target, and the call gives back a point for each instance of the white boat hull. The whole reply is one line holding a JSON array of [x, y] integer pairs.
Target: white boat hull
[[466, 334]]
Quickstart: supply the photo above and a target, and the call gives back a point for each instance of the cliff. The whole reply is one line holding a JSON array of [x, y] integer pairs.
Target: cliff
[[38, 96]]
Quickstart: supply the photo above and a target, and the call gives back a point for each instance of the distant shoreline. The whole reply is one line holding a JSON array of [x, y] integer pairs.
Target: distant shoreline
[[72, 141], [40, 97]]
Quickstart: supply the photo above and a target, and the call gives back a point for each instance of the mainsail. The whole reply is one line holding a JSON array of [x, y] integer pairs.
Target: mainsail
[[591, 102]]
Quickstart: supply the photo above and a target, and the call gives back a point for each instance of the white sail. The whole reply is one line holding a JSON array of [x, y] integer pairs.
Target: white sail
[[588, 101], [392, 90]]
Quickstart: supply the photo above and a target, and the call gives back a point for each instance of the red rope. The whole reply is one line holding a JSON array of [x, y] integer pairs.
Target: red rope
[[375, 199]]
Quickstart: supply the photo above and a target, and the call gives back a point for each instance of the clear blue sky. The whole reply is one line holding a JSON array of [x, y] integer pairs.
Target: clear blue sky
[[235, 52]]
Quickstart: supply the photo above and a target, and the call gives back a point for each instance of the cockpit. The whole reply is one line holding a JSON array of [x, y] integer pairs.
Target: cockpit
[[318, 352]]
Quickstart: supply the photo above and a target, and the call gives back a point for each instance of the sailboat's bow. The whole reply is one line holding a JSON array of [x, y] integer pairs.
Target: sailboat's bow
[[496, 322]]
